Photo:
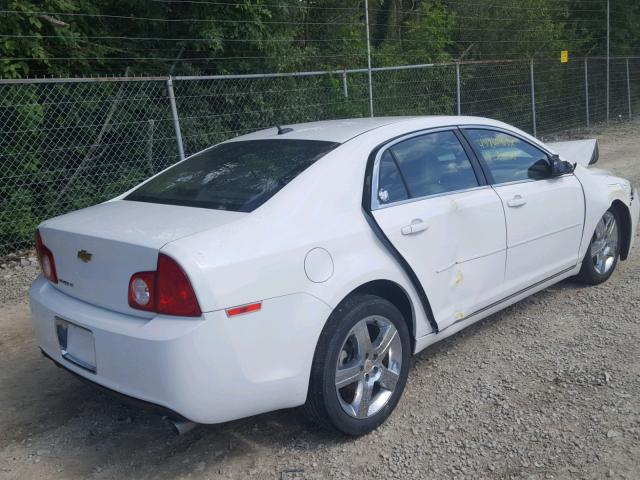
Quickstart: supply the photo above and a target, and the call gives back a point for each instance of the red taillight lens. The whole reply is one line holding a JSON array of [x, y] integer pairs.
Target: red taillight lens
[[142, 291], [175, 295], [45, 257], [167, 290]]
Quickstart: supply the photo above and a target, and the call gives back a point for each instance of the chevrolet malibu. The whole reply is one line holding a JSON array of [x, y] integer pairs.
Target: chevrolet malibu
[[304, 265]]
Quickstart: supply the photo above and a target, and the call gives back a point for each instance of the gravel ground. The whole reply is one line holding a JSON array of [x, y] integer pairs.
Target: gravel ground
[[16, 274], [548, 388]]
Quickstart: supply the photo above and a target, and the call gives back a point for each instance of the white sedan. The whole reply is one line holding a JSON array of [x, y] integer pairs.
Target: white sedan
[[304, 265]]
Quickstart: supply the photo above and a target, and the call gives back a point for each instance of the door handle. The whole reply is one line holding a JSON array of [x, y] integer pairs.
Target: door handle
[[416, 226], [516, 201]]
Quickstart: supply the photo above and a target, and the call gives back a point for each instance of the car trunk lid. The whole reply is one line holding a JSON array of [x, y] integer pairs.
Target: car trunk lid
[[97, 249]]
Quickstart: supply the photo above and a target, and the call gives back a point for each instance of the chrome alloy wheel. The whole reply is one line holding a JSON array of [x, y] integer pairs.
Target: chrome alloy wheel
[[604, 246], [368, 366]]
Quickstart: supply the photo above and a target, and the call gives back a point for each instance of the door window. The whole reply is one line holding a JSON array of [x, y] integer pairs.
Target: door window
[[509, 158], [425, 165]]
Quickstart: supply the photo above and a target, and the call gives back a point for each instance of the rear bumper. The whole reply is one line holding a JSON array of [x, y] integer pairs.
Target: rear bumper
[[135, 402], [208, 370]]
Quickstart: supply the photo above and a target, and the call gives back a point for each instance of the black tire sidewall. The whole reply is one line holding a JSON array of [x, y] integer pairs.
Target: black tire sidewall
[[354, 311]]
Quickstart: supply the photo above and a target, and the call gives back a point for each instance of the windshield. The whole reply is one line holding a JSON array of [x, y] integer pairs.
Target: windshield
[[237, 176]]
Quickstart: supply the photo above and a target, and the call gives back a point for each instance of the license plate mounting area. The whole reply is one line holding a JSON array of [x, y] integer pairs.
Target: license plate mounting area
[[76, 344]]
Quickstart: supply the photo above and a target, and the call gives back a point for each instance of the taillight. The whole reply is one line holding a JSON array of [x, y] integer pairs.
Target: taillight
[[45, 258], [175, 295], [142, 291], [167, 290]]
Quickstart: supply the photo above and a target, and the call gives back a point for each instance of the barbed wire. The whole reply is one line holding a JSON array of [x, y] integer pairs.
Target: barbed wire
[[262, 5], [102, 16]]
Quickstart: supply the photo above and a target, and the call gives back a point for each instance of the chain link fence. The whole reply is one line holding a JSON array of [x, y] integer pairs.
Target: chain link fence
[[498, 90], [70, 143]]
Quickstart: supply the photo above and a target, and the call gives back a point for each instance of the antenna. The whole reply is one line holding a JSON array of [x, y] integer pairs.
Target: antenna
[[282, 131]]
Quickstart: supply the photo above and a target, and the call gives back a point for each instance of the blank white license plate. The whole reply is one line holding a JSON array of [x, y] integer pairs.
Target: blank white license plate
[[76, 344]]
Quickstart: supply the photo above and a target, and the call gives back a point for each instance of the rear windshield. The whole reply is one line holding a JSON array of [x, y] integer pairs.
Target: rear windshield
[[237, 176]]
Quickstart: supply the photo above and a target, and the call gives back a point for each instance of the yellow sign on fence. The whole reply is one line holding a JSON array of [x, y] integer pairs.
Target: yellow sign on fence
[[564, 56]]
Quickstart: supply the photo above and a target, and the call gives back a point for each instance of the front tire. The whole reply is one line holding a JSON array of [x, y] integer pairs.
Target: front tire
[[602, 256], [360, 366]]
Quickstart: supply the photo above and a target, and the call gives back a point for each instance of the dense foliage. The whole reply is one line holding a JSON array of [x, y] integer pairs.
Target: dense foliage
[[83, 37], [65, 146]]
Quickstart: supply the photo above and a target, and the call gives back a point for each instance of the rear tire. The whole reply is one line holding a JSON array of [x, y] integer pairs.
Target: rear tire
[[360, 366], [603, 254]]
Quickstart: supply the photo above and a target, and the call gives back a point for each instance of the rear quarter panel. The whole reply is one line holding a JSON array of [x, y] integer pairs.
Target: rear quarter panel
[[263, 255]]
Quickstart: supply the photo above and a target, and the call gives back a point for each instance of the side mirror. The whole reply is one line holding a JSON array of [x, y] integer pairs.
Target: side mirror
[[560, 167]]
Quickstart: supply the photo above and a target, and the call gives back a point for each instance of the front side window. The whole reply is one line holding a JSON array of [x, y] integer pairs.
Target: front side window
[[425, 165], [237, 176], [509, 159]]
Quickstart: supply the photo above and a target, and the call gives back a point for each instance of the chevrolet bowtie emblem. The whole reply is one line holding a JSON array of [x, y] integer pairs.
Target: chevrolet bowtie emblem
[[85, 256]]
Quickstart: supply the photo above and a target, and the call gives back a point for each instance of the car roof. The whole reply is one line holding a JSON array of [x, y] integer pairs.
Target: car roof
[[340, 131]]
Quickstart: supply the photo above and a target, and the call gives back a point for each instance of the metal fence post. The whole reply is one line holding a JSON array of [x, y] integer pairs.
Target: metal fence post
[[533, 101], [366, 14], [586, 88], [176, 120], [345, 85], [629, 90], [458, 88]]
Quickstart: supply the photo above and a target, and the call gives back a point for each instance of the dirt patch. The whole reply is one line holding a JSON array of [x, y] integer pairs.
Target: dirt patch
[[549, 388]]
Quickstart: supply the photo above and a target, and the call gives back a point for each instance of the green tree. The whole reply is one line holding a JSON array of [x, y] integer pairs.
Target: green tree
[[31, 38]]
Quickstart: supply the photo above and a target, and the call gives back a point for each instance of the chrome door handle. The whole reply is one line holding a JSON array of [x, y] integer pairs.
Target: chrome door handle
[[516, 201], [416, 226]]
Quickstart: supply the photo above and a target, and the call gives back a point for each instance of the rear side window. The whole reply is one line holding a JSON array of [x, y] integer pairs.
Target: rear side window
[[425, 165], [391, 185], [509, 159], [237, 176]]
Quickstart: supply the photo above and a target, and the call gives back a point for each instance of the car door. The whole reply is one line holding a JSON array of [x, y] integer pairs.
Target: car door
[[432, 202], [544, 215]]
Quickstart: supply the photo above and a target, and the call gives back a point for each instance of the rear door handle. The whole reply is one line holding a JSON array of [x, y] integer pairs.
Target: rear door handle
[[516, 201], [416, 226]]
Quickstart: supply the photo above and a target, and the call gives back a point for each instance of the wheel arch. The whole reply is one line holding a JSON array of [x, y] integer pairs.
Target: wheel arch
[[626, 226], [396, 295]]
